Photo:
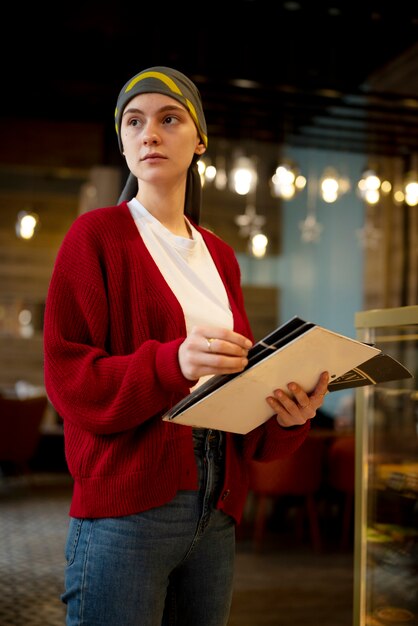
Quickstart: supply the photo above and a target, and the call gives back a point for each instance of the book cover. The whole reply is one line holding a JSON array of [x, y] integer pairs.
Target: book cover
[[296, 351]]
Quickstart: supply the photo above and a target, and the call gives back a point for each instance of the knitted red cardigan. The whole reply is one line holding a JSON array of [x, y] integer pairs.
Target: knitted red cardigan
[[111, 336]]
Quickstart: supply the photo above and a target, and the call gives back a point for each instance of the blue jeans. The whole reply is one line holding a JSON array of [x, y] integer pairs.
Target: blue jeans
[[171, 565]]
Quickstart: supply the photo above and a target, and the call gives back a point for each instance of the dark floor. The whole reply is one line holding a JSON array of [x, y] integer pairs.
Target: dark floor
[[285, 584]]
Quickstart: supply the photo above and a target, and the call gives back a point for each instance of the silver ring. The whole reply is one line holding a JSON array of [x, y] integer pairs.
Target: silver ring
[[209, 342]]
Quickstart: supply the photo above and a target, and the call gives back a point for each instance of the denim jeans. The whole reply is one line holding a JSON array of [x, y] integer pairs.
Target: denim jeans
[[171, 565]]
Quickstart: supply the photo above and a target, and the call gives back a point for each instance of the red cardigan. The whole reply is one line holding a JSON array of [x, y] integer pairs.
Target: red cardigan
[[111, 336]]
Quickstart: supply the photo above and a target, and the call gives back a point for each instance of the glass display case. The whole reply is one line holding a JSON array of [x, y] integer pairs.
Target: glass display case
[[386, 505]]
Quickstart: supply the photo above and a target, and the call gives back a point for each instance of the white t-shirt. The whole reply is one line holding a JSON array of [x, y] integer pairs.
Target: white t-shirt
[[188, 269]]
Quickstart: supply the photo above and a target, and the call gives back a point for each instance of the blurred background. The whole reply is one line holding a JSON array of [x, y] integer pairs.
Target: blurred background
[[311, 174]]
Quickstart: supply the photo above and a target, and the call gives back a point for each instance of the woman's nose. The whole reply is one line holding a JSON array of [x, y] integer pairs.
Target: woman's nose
[[150, 136], [151, 139]]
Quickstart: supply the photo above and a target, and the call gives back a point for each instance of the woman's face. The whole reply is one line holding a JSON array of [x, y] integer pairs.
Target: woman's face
[[159, 138]]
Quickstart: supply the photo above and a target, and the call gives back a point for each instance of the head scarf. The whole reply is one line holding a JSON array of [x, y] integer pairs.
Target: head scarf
[[173, 83]]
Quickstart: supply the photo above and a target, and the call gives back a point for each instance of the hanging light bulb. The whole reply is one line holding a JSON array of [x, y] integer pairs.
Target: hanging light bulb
[[300, 182], [243, 176], [210, 173], [411, 189], [258, 243], [369, 186], [329, 185], [329, 189], [398, 196], [386, 187], [26, 224], [286, 181]]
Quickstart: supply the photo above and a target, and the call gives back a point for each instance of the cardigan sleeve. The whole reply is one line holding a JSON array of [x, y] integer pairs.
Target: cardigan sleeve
[[101, 392]]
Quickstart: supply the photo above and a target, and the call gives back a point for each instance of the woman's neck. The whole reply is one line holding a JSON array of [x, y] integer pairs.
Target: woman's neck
[[167, 208]]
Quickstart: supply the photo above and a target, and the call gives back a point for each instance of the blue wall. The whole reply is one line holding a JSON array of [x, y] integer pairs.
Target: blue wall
[[321, 282]]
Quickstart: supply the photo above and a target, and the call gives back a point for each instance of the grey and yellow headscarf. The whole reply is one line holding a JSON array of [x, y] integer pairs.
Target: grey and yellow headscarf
[[173, 83]]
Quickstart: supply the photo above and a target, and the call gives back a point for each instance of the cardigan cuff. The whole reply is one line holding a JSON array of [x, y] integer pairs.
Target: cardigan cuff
[[168, 368]]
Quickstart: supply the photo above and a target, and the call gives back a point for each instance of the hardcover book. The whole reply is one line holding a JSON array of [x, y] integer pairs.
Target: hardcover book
[[296, 351]]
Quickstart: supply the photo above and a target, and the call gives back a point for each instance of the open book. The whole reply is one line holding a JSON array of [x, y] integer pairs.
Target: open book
[[296, 351]]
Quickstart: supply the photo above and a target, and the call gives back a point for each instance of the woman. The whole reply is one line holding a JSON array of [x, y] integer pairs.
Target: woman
[[143, 305]]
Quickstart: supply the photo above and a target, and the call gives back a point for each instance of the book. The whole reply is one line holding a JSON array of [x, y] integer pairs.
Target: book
[[296, 351]]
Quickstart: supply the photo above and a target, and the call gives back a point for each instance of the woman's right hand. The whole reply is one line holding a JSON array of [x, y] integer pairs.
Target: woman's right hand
[[210, 350]]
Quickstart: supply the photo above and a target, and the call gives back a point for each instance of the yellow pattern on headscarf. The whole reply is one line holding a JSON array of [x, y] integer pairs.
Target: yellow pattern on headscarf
[[169, 82]]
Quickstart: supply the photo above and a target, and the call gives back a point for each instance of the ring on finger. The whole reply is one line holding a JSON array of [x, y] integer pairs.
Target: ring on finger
[[209, 341]]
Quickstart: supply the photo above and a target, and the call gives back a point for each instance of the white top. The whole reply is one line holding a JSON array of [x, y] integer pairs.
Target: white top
[[188, 269]]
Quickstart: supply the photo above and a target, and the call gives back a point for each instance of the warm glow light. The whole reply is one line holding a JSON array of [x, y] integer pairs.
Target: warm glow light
[[283, 176], [333, 185], [399, 196], [259, 245], [329, 189], [386, 186], [25, 322], [25, 317], [300, 182], [286, 181], [372, 196], [287, 192], [372, 182], [26, 224], [210, 172], [243, 176], [411, 189], [370, 186]]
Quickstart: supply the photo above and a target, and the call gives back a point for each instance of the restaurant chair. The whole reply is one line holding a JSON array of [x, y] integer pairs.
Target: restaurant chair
[[20, 433], [298, 475]]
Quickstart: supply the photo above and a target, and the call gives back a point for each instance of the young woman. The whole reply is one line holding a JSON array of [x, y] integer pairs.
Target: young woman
[[143, 305]]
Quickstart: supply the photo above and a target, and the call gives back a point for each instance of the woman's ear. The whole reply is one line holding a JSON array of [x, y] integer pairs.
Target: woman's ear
[[200, 148]]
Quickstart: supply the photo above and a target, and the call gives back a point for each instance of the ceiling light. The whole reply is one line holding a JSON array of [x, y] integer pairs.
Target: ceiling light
[[369, 186], [259, 243], [243, 176], [331, 185], [26, 224], [411, 189], [286, 180]]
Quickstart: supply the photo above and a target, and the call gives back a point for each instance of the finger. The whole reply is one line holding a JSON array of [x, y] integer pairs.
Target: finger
[[283, 404], [224, 335], [316, 397], [220, 346], [288, 413], [321, 389], [299, 395], [322, 386]]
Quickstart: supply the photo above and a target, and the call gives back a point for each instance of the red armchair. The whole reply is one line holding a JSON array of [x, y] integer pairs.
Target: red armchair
[[20, 433]]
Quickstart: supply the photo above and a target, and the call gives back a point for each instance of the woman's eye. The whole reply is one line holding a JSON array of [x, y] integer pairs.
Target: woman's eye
[[170, 119]]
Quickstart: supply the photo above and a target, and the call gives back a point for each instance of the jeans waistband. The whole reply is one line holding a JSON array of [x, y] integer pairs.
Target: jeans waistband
[[206, 439]]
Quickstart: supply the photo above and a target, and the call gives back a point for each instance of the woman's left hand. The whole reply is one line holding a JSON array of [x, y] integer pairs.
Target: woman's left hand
[[301, 407]]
